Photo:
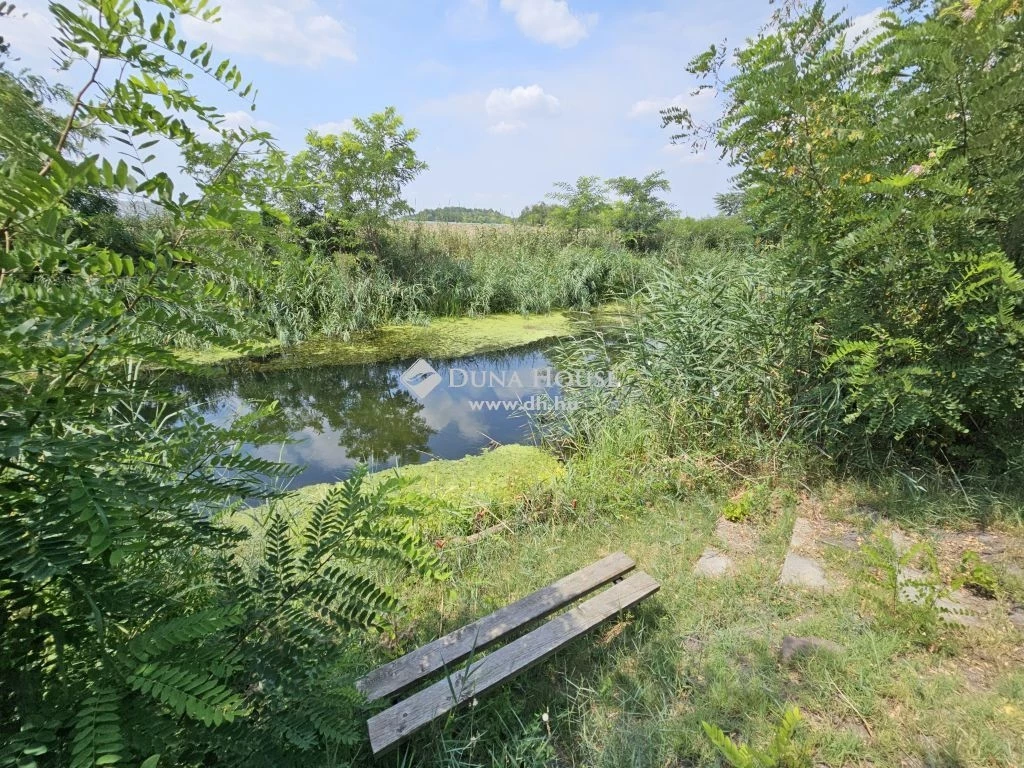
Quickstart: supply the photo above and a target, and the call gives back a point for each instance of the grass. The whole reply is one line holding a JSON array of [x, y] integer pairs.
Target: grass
[[495, 479], [218, 355], [634, 693], [454, 497]]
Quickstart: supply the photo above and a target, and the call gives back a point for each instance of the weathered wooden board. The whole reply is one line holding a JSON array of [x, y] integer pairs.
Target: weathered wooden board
[[460, 644], [402, 720]]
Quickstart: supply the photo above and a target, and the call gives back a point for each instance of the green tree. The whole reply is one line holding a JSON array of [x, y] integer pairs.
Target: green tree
[[456, 213], [538, 214], [887, 171], [347, 188], [579, 205], [640, 213], [131, 626]]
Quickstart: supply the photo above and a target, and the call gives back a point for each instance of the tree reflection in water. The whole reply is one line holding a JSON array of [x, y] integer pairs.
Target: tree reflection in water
[[338, 416]]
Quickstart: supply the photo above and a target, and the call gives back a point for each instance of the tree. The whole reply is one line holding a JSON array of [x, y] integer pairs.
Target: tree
[[538, 214], [640, 214], [347, 188], [459, 214], [729, 203], [579, 204], [888, 170], [132, 629]]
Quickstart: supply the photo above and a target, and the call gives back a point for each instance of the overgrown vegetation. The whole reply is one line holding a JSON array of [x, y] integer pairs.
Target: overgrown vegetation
[[881, 175], [131, 632], [843, 344]]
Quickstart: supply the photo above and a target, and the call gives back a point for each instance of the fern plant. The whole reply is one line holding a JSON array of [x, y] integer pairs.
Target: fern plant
[[784, 751]]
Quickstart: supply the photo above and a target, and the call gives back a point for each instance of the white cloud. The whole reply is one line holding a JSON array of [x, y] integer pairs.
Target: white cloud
[[521, 100], [509, 106], [333, 127], [507, 126], [280, 31], [30, 30], [237, 119], [549, 21], [243, 118], [866, 24], [655, 104]]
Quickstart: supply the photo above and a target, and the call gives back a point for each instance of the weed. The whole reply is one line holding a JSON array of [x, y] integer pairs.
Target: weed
[[784, 750], [742, 505], [978, 576], [904, 589]]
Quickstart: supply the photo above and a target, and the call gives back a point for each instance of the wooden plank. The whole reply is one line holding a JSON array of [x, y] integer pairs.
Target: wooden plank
[[399, 722], [460, 644]]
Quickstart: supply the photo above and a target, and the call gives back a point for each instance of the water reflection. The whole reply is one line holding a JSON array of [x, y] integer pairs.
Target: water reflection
[[339, 416]]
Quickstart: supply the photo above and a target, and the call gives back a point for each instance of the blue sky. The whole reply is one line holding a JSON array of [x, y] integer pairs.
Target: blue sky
[[508, 95]]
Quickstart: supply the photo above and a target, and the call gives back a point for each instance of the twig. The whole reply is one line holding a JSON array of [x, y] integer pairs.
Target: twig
[[851, 705]]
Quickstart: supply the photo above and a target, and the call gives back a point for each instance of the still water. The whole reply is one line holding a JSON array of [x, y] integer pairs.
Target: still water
[[345, 415]]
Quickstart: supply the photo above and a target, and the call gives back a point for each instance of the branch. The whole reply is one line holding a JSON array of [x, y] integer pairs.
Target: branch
[[69, 124]]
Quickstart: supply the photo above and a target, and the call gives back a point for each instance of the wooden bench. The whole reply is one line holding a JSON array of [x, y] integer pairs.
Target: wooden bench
[[392, 726]]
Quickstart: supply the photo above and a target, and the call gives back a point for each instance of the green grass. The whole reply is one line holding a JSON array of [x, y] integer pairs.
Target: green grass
[[453, 497], [217, 355], [634, 693], [493, 481]]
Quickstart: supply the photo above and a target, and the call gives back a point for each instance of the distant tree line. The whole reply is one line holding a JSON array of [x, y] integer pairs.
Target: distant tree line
[[461, 215]]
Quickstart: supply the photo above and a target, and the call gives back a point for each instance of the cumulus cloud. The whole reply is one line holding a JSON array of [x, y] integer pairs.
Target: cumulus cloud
[[281, 31], [510, 106], [30, 30], [865, 24], [549, 21], [333, 127], [521, 100], [243, 118]]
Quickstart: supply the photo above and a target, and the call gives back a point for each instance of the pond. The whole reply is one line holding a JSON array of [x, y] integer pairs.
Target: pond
[[386, 414]]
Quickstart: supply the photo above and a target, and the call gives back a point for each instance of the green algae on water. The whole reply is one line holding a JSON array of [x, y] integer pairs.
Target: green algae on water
[[443, 339]]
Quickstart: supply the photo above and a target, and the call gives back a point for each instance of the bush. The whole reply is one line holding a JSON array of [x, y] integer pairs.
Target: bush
[[712, 233]]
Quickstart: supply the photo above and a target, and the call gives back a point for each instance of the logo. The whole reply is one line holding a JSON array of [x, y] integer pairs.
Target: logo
[[420, 378]]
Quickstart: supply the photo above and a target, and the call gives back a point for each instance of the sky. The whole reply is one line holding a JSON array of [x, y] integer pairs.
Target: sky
[[509, 96]]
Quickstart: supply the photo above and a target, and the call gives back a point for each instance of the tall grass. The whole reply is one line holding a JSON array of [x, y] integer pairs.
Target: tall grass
[[481, 270], [425, 270], [707, 351]]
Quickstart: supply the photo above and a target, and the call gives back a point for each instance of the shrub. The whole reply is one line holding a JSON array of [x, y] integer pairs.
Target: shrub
[[885, 175]]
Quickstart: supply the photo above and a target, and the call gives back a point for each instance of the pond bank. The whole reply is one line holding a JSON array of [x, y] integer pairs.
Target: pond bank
[[452, 496]]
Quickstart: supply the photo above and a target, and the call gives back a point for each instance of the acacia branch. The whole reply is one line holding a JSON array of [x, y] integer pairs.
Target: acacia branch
[[69, 124]]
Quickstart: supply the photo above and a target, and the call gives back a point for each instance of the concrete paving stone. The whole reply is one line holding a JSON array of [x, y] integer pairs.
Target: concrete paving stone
[[800, 571], [713, 564]]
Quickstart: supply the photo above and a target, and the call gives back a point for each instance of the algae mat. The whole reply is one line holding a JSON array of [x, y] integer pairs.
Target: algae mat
[[440, 339], [443, 338]]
